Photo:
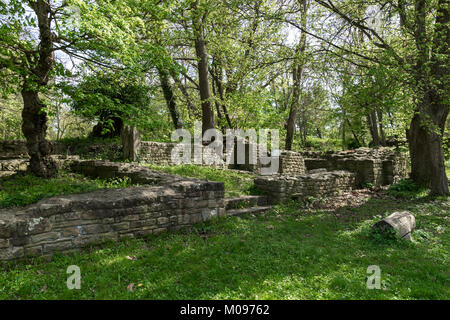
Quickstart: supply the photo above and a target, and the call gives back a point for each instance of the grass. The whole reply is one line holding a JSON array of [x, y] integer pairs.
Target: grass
[[236, 183], [22, 189], [286, 254]]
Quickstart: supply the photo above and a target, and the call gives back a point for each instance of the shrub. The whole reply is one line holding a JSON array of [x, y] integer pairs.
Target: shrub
[[407, 189]]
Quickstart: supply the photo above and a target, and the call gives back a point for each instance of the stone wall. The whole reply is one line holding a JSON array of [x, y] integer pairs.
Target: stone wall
[[156, 152], [291, 163], [17, 149], [380, 166], [376, 166], [67, 223], [321, 184], [160, 153]]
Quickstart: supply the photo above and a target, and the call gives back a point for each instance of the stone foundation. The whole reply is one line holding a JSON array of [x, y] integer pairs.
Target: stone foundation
[[321, 184], [67, 223], [375, 166]]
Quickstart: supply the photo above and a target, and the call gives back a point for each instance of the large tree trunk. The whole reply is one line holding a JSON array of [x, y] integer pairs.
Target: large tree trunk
[[34, 119], [202, 67], [170, 98], [428, 124], [34, 127], [427, 157]]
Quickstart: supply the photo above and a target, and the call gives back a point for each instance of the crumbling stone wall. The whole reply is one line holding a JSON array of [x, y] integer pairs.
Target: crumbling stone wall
[[380, 166], [68, 223], [279, 188], [160, 153]]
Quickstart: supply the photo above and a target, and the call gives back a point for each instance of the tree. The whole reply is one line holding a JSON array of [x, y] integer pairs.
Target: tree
[[33, 32], [297, 75], [199, 13], [112, 98], [426, 25]]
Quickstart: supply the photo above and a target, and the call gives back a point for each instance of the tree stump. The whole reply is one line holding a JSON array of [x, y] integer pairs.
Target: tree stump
[[402, 222]]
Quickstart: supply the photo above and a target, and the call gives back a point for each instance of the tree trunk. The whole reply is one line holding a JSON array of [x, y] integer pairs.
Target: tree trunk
[[34, 128], [372, 120], [380, 126], [202, 67], [170, 98], [218, 80], [427, 157], [34, 119], [291, 127], [297, 74], [428, 124]]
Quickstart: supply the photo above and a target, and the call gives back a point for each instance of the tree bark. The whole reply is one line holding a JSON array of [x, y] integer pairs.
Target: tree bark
[[297, 74], [380, 126], [202, 67], [34, 119], [372, 120], [170, 98], [34, 128], [428, 124]]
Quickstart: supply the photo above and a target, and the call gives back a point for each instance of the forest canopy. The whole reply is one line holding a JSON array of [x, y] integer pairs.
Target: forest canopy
[[331, 74]]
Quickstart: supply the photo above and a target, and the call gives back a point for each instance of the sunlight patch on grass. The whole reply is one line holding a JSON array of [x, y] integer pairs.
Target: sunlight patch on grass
[[303, 256]]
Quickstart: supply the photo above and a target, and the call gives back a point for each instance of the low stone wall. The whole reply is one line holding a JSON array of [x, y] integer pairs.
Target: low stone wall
[[160, 153], [321, 184], [17, 149], [156, 152], [376, 166], [67, 223]]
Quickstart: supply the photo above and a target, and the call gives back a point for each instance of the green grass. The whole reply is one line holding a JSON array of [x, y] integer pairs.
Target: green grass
[[236, 183], [286, 254], [22, 189]]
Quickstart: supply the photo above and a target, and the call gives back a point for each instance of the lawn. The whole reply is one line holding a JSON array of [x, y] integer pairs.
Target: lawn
[[21, 189], [236, 183], [289, 253]]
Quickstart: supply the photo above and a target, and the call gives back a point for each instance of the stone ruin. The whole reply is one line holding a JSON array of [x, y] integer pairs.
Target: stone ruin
[[331, 173], [163, 201], [381, 166], [67, 223]]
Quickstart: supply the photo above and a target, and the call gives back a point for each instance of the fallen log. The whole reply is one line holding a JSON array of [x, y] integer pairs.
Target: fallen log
[[402, 222]]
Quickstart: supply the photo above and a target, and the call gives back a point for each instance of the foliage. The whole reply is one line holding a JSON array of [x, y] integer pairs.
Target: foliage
[[407, 189], [10, 120], [322, 144], [112, 97], [22, 189], [285, 254]]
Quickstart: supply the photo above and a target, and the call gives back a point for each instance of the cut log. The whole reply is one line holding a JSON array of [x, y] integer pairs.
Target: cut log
[[403, 222]]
